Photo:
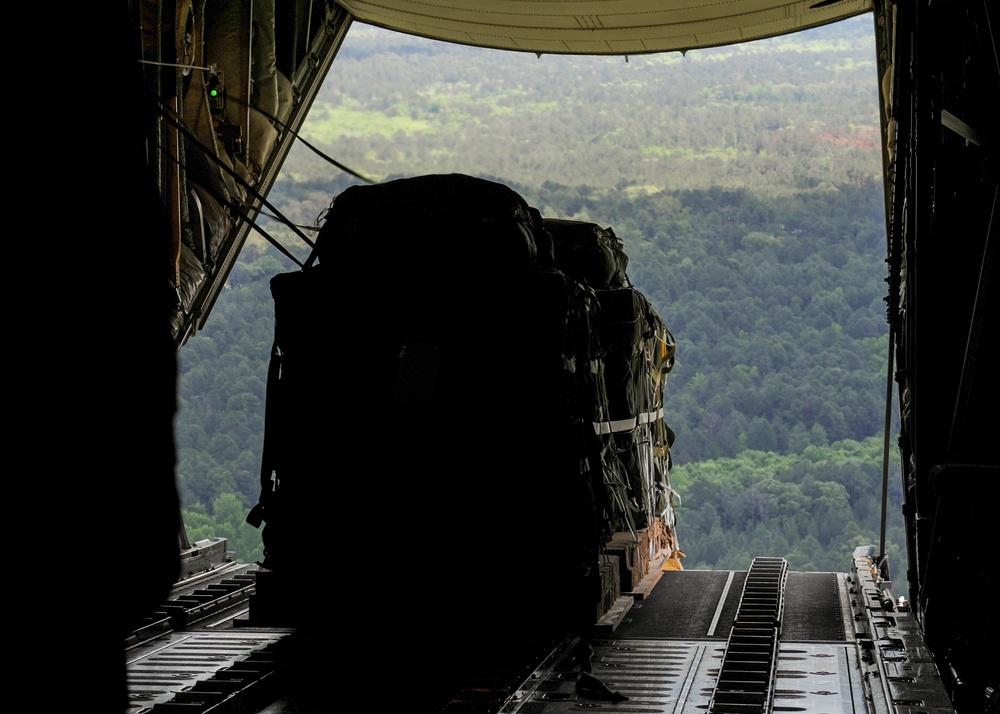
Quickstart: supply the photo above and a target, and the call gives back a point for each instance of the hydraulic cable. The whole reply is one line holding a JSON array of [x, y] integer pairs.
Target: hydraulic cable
[[243, 214], [885, 446], [312, 147]]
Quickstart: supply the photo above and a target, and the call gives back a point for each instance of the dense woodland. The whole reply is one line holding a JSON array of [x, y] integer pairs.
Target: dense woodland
[[745, 184]]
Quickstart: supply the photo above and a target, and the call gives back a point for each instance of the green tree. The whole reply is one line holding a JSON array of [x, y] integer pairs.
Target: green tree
[[226, 520]]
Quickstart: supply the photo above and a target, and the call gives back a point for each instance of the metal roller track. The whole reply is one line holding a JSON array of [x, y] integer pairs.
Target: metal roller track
[[199, 599], [746, 677]]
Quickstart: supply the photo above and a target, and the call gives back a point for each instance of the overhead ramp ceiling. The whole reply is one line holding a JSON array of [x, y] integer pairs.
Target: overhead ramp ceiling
[[601, 27]]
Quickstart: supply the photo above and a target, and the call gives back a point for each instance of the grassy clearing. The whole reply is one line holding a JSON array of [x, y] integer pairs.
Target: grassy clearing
[[327, 124]]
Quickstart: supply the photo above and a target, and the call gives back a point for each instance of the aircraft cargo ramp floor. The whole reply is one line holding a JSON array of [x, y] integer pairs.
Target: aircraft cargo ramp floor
[[703, 603], [680, 647]]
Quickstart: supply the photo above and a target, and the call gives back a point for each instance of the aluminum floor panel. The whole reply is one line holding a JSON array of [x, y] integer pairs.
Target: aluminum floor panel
[[181, 661], [658, 677], [678, 677]]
